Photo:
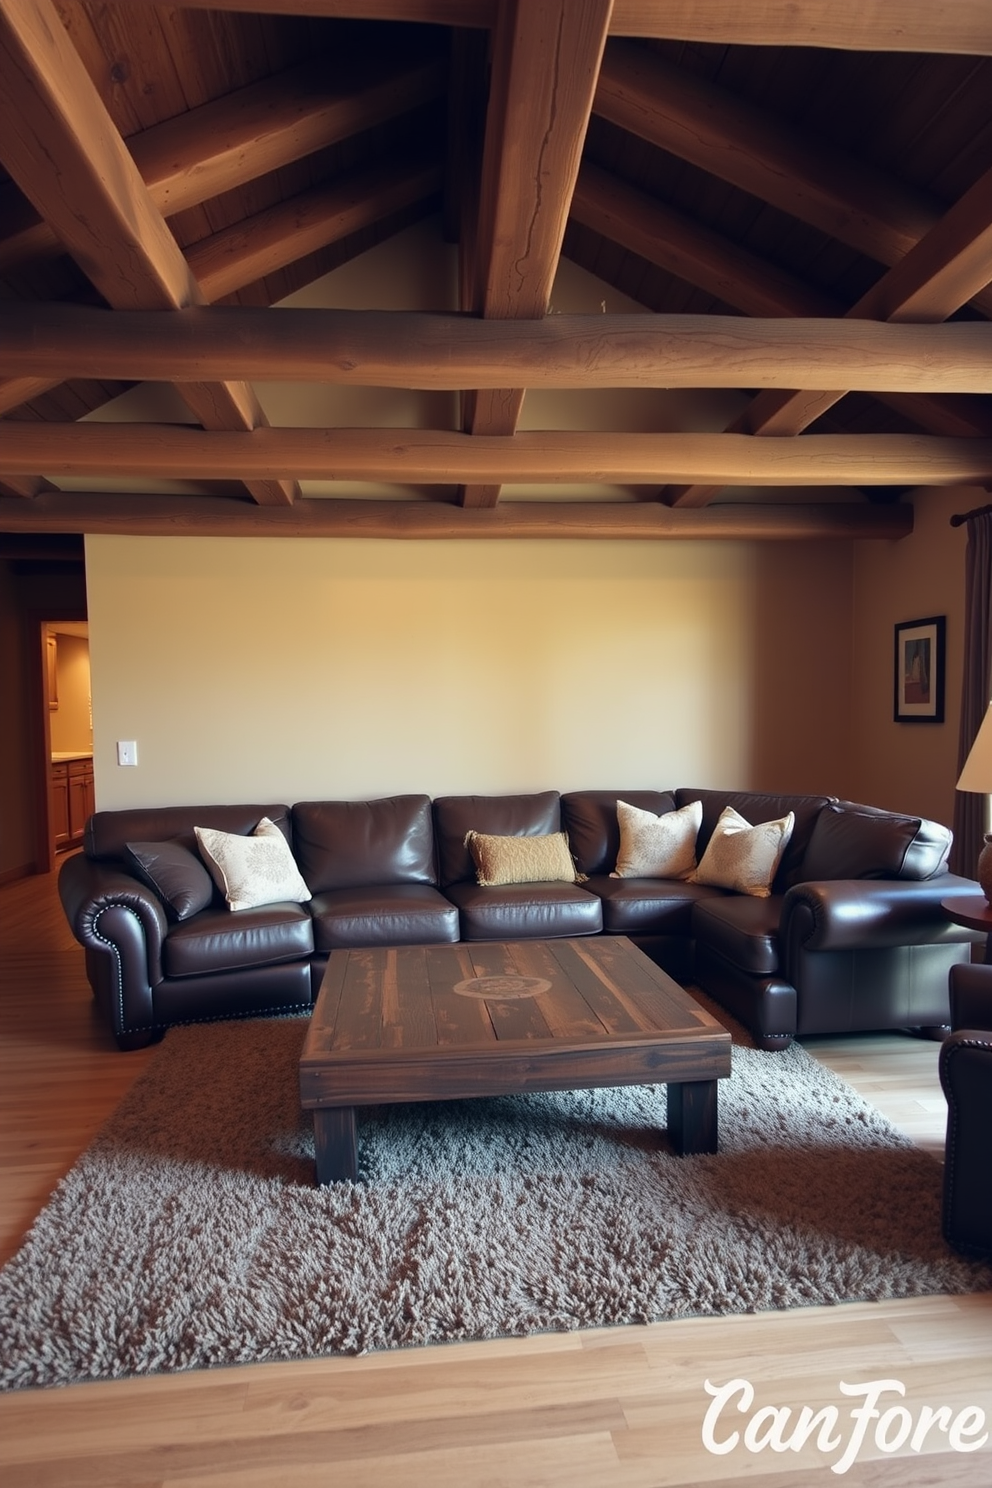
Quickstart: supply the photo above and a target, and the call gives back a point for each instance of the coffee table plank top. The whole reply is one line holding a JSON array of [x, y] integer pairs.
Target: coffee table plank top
[[436, 1022]]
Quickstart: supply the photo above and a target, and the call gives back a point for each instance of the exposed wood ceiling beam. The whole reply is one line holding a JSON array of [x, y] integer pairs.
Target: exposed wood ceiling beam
[[186, 160], [196, 516], [851, 25], [17, 390], [24, 486], [468, 90], [546, 58], [705, 258], [700, 256], [378, 348], [936, 277], [241, 255], [282, 234], [61, 147], [844, 197], [438, 456], [897, 25]]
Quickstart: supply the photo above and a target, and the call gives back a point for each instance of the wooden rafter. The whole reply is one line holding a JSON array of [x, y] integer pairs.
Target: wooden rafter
[[60, 145], [245, 134], [236, 257], [795, 346], [210, 516], [707, 259], [438, 456], [370, 348], [695, 120], [937, 276], [546, 57], [269, 240], [963, 26], [701, 256]]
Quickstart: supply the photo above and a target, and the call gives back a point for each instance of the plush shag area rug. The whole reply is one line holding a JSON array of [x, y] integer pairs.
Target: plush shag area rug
[[190, 1233]]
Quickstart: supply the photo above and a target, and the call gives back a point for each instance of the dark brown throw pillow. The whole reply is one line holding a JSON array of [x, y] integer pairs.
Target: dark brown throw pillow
[[175, 874], [858, 844]]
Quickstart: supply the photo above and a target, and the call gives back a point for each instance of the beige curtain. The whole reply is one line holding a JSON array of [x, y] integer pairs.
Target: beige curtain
[[969, 809]]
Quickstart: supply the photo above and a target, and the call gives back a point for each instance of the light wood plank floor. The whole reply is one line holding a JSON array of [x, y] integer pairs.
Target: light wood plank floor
[[614, 1408]]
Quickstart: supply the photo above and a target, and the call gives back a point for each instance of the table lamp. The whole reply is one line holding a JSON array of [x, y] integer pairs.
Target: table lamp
[[977, 777]]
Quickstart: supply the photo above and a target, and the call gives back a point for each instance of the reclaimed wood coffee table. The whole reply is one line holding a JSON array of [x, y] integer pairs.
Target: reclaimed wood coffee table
[[448, 1022]]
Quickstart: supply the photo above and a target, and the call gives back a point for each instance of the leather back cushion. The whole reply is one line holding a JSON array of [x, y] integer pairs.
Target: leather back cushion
[[756, 807], [175, 874], [108, 832], [534, 815], [350, 844], [852, 841], [590, 819]]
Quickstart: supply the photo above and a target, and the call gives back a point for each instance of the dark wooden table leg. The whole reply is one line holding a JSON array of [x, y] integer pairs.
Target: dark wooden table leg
[[336, 1142], [692, 1116]]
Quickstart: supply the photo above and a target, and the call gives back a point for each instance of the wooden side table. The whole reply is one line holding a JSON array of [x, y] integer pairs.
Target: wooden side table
[[973, 911]]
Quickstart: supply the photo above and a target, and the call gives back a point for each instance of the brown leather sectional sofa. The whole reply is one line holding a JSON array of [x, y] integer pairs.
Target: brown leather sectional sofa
[[966, 1076], [852, 937]]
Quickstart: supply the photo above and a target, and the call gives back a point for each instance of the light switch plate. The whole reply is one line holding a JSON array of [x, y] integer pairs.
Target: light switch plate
[[127, 752]]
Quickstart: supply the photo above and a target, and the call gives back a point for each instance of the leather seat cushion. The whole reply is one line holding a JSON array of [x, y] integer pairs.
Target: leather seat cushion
[[398, 914], [225, 940], [649, 906], [742, 929], [525, 911]]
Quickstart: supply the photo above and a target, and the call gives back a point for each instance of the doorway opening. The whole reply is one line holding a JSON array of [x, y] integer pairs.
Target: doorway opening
[[69, 708]]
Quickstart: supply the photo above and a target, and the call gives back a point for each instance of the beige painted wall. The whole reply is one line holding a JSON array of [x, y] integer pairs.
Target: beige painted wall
[[292, 668], [286, 669], [909, 766]]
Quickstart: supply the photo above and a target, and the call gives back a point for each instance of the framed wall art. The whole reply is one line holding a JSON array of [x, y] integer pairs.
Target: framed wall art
[[919, 671]]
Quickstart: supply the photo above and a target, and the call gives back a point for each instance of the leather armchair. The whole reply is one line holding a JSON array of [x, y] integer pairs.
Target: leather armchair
[[966, 1076]]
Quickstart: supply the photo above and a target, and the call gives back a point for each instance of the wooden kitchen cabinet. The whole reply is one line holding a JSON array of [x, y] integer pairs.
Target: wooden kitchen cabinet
[[59, 810], [80, 797], [72, 800]]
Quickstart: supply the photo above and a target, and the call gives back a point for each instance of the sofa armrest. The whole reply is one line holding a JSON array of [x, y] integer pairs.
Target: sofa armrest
[[87, 888], [122, 926], [965, 1065], [970, 992], [855, 913]]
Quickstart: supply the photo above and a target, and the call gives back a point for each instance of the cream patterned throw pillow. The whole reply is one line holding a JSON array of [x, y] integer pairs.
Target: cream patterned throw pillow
[[739, 856], [516, 860], [254, 870], [657, 846]]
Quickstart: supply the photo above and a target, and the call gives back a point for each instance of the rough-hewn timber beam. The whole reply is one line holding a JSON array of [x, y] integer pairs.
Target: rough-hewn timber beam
[[284, 233], [240, 255], [369, 348], [434, 456], [705, 258], [843, 196], [60, 145], [895, 26], [666, 237], [937, 276], [24, 486], [195, 516], [231, 140], [546, 58]]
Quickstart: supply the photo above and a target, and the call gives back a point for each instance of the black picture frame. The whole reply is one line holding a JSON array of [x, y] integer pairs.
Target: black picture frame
[[918, 670]]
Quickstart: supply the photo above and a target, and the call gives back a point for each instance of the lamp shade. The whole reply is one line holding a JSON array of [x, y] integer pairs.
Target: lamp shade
[[977, 773]]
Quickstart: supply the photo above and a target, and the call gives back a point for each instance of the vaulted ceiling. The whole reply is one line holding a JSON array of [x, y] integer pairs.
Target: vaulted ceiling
[[797, 192]]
